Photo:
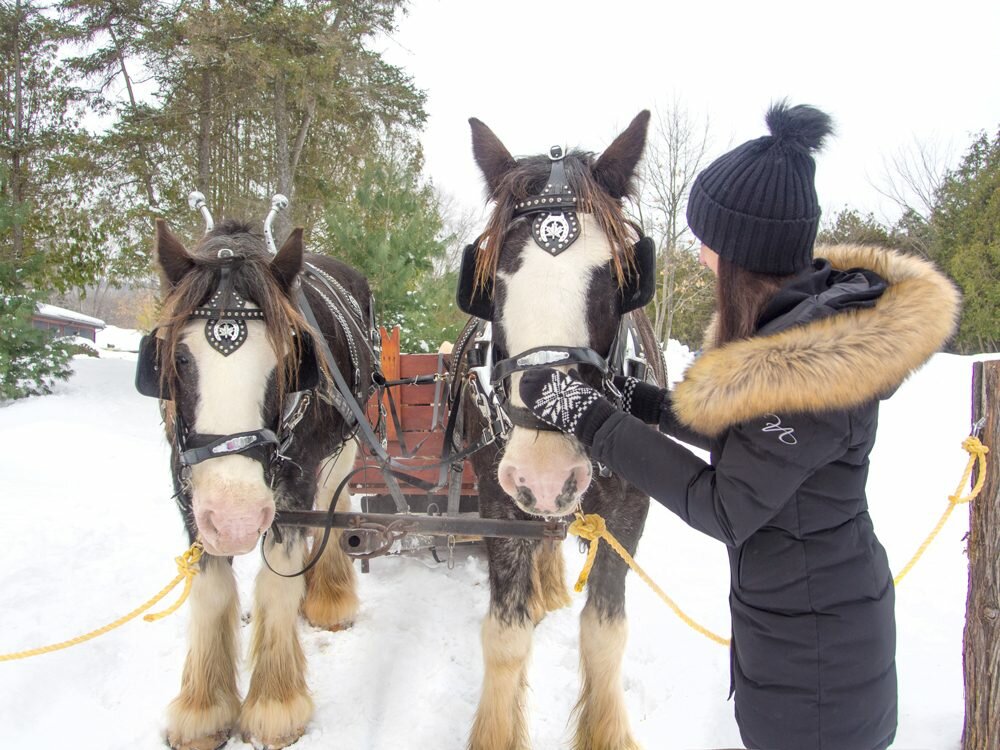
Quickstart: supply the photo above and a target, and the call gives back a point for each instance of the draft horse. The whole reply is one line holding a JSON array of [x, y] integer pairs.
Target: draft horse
[[562, 274], [254, 428]]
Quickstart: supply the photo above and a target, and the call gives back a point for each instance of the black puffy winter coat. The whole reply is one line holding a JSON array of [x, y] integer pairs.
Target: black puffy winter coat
[[790, 417]]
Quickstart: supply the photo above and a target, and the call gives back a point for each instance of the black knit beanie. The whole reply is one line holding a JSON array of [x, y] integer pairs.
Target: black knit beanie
[[756, 206]]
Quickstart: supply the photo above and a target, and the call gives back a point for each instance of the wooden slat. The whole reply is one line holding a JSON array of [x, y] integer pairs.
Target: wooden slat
[[371, 479], [414, 404], [430, 447], [417, 364], [415, 417], [414, 394]]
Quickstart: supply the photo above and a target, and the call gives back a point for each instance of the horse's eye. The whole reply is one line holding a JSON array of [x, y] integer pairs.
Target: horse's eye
[[181, 360]]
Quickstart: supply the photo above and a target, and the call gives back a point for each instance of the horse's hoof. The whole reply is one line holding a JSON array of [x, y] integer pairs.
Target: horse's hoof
[[270, 725], [274, 743], [211, 742], [332, 613]]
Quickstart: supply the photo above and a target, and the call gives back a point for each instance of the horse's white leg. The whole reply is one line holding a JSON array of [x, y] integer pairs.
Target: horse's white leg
[[602, 722], [277, 706], [331, 594], [202, 715], [500, 722]]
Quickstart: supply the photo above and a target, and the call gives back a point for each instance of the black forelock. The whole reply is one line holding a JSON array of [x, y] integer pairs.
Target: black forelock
[[241, 237], [529, 177]]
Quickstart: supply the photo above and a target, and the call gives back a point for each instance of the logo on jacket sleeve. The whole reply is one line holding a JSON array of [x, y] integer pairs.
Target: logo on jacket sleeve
[[785, 434]]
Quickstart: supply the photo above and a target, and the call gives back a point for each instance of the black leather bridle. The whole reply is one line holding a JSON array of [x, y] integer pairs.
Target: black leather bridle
[[555, 226], [225, 315]]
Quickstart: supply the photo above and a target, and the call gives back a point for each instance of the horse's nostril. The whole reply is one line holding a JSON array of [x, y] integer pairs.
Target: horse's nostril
[[526, 498]]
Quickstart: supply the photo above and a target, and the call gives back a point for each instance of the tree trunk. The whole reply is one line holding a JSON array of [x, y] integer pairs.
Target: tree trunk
[[205, 125], [981, 657], [205, 132], [282, 155], [147, 165], [17, 177]]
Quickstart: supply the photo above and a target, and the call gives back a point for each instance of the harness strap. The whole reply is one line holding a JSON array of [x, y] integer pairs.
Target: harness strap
[[522, 417], [335, 311], [215, 313], [223, 445], [548, 356], [343, 397]]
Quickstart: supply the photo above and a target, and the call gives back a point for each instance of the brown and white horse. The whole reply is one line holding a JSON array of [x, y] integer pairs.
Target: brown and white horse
[[223, 385], [554, 297]]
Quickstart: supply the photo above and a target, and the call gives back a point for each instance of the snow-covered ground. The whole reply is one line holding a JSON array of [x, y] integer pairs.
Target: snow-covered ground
[[90, 532]]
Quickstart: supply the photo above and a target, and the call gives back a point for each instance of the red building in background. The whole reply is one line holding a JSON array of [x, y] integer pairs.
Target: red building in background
[[63, 322]]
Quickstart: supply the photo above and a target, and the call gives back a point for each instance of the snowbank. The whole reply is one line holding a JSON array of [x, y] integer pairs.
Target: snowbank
[[95, 534]]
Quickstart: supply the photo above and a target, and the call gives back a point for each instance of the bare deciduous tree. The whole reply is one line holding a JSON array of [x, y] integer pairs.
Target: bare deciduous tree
[[675, 153], [913, 176], [459, 227]]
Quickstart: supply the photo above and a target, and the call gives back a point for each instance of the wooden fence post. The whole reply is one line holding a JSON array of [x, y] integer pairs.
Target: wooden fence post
[[981, 656]]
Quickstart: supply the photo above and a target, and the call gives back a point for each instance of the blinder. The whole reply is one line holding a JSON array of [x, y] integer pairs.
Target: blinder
[[554, 228], [148, 370]]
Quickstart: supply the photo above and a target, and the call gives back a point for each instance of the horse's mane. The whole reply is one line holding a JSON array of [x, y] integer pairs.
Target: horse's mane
[[528, 179], [252, 280]]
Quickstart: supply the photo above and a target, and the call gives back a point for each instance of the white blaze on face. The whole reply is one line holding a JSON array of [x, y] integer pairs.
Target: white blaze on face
[[232, 502], [546, 304]]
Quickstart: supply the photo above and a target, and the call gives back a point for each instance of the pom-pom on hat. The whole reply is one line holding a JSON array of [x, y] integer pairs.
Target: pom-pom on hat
[[756, 206]]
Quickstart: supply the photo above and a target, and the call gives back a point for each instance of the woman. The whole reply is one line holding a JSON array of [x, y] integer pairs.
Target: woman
[[786, 400]]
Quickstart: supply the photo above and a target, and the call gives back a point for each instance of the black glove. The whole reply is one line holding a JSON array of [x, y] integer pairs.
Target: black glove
[[565, 402], [641, 400]]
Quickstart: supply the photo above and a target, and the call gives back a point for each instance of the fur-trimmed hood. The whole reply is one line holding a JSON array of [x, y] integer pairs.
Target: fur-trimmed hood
[[835, 363]]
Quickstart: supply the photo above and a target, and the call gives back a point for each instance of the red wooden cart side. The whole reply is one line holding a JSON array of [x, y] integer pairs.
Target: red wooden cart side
[[421, 435]]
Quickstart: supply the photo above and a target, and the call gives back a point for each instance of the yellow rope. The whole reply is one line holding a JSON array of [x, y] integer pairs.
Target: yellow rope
[[187, 567], [592, 528], [977, 452]]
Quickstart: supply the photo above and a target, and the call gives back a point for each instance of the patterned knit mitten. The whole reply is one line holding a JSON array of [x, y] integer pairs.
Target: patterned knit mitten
[[641, 400], [565, 402]]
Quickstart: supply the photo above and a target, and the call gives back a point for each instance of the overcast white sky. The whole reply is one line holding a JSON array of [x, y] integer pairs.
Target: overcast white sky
[[537, 72]]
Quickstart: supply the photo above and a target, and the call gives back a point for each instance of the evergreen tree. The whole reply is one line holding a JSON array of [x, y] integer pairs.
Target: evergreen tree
[[390, 229], [966, 220], [850, 227], [30, 360]]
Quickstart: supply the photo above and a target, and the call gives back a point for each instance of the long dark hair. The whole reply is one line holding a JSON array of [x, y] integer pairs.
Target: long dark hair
[[741, 297]]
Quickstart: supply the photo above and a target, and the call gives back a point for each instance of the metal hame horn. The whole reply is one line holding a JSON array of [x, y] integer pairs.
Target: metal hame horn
[[197, 202], [278, 203]]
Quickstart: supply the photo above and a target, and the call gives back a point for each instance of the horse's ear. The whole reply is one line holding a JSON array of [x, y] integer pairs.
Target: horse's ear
[[614, 170], [171, 256], [491, 155], [288, 262]]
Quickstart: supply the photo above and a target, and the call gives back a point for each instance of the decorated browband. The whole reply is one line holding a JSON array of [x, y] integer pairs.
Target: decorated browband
[[226, 311]]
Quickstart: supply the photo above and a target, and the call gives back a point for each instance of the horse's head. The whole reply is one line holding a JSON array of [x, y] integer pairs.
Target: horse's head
[[559, 278], [227, 350]]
